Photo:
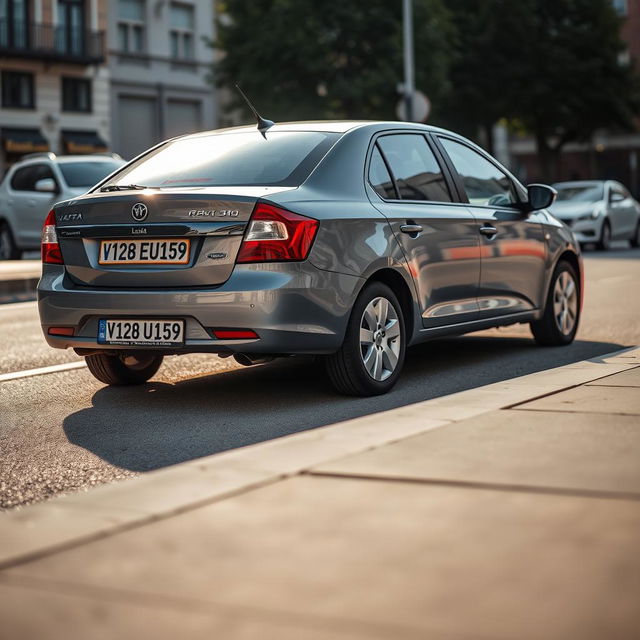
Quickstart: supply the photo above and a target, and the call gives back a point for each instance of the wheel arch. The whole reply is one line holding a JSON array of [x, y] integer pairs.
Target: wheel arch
[[576, 262], [398, 284]]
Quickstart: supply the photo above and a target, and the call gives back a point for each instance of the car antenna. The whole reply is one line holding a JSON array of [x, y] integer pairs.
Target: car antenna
[[263, 124]]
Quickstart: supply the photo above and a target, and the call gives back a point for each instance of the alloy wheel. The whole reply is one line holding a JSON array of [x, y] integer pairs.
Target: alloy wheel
[[380, 338], [565, 302]]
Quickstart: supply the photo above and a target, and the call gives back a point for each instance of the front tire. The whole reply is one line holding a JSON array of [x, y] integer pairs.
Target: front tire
[[119, 369], [604, 244], [559, 322], [371, 357], [8, 248]]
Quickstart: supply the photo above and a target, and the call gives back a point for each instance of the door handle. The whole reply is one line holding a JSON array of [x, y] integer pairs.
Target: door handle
[[411, 228], [488, 230]]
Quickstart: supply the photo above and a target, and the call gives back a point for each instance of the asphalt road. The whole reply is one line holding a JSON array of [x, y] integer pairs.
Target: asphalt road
[[64, 431]]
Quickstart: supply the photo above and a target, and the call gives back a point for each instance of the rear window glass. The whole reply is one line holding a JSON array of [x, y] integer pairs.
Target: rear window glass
[[235, 159], [86, 174]]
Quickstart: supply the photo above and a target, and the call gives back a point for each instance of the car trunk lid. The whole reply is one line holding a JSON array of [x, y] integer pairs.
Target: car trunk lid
[[211, 220]]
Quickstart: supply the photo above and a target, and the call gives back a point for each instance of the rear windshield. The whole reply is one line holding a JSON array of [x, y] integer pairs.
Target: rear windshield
[[86, 174], [235, 159]]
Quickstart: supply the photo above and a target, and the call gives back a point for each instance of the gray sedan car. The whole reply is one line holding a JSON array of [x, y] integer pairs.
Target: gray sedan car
[[350, 240], [598, 211]]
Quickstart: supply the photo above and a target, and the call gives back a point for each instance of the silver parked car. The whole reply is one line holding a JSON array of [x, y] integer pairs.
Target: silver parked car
[[32, 186], [352, 240], [598, 211]]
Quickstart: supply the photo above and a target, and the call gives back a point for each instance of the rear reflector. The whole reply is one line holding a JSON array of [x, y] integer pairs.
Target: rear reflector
[[61, 331], [234, 334], [51, 253], [277, 235]]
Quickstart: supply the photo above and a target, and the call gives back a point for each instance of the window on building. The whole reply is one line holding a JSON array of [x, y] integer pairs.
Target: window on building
[[620, 6], [14, 18], [76, 94], [131, 26], [181, 31], [17, 90]]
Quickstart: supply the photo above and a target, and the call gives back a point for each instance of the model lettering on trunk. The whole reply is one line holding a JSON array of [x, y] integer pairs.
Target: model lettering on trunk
[[213, 213], [70, 217]]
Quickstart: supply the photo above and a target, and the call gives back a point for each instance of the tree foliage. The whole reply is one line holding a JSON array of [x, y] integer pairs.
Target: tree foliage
[[549, 66], [304, 59]]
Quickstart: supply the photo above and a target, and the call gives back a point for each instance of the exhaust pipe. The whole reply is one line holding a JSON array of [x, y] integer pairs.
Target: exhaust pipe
[[248, 360]]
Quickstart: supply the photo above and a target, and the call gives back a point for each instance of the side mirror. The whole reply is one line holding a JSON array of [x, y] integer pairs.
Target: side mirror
[[540, 196], [47, 185], [616, 197]]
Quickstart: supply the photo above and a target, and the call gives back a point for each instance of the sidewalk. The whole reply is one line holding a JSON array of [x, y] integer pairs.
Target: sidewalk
[[18, 280], [506, 511]]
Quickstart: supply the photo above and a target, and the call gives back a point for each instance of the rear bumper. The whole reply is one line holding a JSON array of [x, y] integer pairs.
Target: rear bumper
[[294, 308]]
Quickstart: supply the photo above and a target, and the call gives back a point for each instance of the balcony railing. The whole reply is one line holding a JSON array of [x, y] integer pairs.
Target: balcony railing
[[49, 42]]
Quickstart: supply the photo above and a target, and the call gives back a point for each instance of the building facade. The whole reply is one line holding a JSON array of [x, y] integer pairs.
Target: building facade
[[607, 155], [54, 80], [160, 66]]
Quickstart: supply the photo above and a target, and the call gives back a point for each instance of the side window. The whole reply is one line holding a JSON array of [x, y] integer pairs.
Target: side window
[[414, 167], [483, 182], [616, 194], [22, 179], [379, 176], [25, 179]]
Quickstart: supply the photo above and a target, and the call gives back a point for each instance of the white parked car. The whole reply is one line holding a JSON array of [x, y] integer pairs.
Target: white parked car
[[32, 186], [598, 211]]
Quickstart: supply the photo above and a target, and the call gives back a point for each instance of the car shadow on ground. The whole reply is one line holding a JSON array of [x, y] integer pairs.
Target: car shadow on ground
[[159, 424]]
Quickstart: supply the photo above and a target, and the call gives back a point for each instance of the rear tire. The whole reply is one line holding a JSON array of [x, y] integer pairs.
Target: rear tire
[[8, 248], [604, 244], [559, 322], [635, 239], [371, 357], [120, 369]]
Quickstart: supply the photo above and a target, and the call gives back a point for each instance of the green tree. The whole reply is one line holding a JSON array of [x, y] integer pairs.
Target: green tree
[[549, 66], [304, 59]]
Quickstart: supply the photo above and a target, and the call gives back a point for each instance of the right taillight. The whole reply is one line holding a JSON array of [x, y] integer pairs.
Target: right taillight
[[50, 248], [277, 235]]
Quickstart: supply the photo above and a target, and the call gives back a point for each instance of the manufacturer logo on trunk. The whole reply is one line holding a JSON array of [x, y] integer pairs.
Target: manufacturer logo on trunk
[[139, 211]]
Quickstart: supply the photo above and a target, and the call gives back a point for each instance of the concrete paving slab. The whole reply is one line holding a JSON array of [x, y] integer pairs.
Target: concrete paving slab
[[629, 378], [407, 558], [51, 524], [171, 490], [590, 399], [46, 613], [537, 450]]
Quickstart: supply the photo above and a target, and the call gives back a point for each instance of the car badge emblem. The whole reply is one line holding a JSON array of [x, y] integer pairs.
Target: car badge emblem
[[139, 211]]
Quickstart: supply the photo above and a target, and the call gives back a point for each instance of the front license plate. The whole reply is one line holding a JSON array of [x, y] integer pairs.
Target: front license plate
[[139, 251], [161, 333]]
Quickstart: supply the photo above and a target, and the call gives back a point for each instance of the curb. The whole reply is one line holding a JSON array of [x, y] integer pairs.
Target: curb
[[64, 522]]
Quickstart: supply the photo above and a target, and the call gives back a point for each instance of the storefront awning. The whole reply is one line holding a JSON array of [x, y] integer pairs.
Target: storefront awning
[[83, 142], [23, 141]]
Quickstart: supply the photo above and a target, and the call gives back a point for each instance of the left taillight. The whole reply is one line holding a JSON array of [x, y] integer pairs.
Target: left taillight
[[277, 235], [51, 253]]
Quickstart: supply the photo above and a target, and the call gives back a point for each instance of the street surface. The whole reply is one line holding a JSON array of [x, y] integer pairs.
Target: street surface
[[63, 431]]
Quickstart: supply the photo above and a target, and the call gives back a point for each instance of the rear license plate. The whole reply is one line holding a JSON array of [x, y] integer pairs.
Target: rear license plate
[[139, 251], [141, 332]]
